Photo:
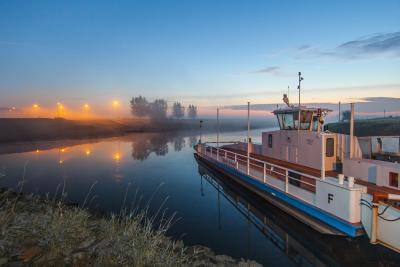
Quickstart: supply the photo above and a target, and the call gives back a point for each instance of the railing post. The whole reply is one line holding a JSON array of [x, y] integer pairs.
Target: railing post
[[248, 165], [225, 154], [235, 157], [286, 181], [265, 173]]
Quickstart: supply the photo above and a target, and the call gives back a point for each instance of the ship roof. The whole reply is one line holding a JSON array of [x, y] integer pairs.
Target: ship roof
[[296, 109]]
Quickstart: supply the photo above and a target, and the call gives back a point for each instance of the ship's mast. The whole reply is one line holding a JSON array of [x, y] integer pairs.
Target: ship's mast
[[299, 88]]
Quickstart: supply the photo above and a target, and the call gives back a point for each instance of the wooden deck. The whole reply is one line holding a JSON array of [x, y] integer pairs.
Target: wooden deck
[[311, 171]]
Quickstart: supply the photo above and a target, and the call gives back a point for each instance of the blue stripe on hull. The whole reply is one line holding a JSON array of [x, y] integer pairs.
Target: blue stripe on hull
[[347, 228]]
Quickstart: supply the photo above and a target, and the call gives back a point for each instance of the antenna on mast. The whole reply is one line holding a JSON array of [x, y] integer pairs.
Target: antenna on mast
[[299, 87]]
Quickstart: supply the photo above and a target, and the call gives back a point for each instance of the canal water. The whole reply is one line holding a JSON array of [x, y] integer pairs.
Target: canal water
[[158, 171]]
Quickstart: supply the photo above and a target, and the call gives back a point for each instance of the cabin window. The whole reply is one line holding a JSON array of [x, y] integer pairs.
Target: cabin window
[[330, 147], [393, 179], [287, 121], [270, 140], [315, 124], [290, 121], [305, 121], [280, 120]]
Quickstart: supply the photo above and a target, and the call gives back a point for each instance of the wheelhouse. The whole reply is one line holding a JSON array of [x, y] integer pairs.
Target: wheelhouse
[[311, 119]]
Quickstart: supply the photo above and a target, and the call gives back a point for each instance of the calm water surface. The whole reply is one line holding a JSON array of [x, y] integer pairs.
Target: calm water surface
[[160, 170]]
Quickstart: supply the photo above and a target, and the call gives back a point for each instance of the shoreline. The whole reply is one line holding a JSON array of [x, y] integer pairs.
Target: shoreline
[[38, 231]]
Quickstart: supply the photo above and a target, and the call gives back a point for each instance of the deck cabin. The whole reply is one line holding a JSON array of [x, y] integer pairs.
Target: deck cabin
[[301, 143]]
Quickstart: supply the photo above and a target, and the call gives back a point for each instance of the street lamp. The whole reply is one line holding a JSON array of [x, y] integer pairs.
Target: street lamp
[[60, 108], [35, 108]]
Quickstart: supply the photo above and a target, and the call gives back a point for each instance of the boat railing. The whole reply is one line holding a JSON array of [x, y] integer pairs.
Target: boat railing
[[303, 186]]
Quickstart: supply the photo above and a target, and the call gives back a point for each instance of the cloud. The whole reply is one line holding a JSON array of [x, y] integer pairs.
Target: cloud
[[372, 45], [271, 70], [368, 105]]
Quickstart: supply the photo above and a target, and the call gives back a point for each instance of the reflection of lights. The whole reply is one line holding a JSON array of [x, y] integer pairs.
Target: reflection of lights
[[61, 161], [117, 156], [62, 150]]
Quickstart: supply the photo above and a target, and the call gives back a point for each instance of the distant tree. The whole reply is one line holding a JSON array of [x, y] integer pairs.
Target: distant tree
[[178, 111], [192, 111], [139, 106], [346, 115], [158, 109]]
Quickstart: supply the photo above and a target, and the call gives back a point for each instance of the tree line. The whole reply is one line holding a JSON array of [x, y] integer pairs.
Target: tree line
[[157, 109]]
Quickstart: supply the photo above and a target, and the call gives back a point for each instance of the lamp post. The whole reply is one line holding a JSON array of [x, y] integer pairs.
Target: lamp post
[[217, 133], [201, 130], [248, 138]]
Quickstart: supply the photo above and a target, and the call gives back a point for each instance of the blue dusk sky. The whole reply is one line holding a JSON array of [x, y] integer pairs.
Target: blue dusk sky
[[203, 52]]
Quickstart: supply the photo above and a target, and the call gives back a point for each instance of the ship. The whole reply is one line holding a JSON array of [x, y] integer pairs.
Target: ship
[[337, 184]]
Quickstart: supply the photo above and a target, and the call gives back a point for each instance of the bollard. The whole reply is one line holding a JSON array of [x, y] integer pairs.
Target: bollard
[[350, 181], [341, 178]]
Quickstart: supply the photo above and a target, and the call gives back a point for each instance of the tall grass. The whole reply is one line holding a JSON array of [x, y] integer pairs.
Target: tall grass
[[42, 232]]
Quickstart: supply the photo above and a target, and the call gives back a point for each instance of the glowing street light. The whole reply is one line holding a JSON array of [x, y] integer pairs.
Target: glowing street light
[[60, 108], [115, 103]]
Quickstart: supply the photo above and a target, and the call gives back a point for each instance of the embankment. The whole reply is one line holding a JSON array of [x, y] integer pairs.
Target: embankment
[[368, 127], [46, 129], [39, 232]]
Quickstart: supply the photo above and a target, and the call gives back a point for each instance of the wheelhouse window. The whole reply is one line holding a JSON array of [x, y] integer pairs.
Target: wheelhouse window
[[290, 120], [305, 119], [394, 179], [330, 147], [286, 121], [315, 124]]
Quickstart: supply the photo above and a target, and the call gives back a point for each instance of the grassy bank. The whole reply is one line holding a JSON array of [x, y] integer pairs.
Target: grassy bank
[[41, 129], [39, 232], [368, 127]]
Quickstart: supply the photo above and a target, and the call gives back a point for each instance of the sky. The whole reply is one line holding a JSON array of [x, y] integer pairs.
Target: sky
[[207, 53]]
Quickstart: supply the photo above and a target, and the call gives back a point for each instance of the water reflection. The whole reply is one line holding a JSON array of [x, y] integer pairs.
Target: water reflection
[[302, 245], [157, 143]]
